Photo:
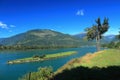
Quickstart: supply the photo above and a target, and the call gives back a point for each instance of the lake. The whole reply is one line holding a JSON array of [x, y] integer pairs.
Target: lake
[[13, 72]]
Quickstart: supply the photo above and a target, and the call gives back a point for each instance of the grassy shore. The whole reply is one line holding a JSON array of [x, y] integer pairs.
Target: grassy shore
[[105, 58], [45, 57]]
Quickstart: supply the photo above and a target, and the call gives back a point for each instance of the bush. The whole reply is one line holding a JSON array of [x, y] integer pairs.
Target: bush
[[42, 74]]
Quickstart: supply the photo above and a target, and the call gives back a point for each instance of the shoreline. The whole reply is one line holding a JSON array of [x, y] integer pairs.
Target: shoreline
[[41, 58]]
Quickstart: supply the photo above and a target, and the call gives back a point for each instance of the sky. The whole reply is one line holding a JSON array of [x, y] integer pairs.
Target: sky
[[66, 16]]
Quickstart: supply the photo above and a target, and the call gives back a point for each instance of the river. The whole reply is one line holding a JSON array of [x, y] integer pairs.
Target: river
[[13, 72]]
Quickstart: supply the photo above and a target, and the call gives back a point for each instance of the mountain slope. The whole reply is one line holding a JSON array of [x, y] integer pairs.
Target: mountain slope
[[41, 37], [80, 35]]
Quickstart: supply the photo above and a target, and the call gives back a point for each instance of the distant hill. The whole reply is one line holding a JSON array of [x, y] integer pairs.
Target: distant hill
[[108, 38], [80, 35], [105, 39], [41, 37]]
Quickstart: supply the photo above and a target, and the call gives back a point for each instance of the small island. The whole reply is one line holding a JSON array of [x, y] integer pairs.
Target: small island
[[41, 57]]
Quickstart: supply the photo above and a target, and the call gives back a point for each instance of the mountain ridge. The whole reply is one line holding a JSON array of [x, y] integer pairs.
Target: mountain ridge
[[41, 37]]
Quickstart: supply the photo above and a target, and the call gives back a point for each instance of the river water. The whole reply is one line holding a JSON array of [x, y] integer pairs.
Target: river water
[[13, 72]]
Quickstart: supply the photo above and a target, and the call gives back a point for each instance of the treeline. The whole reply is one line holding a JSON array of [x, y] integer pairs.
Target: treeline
[[112, 45], [22, 47]]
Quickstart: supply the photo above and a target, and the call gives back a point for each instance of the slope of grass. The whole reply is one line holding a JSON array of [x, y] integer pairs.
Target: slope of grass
[[110, 57], [104, 59]]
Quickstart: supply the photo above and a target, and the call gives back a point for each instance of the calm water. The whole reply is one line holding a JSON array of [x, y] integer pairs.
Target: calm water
[[13, 72]]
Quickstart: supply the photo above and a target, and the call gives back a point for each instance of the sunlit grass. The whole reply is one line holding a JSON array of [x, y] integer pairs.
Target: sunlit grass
[[104, 58]]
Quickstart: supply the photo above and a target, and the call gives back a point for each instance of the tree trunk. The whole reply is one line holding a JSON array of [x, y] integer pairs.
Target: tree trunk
[[29, 76], [98, 43]]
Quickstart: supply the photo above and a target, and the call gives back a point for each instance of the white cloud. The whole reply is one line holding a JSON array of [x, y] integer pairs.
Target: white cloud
[[80, 12], [4, 26], [12, 26]]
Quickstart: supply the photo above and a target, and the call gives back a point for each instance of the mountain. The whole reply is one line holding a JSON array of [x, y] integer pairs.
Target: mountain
[[80, 35], [41, 37]]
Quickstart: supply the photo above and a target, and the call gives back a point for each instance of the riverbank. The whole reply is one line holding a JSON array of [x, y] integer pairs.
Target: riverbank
[[102, 65], [99, 59], [41, 57]]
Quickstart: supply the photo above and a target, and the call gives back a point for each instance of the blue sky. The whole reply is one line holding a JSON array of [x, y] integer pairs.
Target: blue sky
[[66, 16]]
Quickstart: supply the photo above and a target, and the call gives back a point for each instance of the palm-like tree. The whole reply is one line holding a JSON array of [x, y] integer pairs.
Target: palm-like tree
[[96, 31]]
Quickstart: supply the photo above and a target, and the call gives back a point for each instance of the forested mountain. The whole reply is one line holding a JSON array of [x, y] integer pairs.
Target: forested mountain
[[49, 38], [41, 37]]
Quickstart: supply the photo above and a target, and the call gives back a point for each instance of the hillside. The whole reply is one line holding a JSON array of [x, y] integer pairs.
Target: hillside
[[102, 65], [41, 37]]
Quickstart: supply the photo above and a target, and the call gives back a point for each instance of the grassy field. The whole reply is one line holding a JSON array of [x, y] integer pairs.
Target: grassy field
[[60, 54], [46, 57], [110, 57]]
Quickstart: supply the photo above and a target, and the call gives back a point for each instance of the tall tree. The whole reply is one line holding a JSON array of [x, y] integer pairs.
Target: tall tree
[[97, 30]]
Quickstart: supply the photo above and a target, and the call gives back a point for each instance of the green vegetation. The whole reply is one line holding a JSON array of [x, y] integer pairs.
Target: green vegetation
[[42, 74], [96, 31], [115, 45], [104, 58], [102, 65], [42, 57], [118, 36], [22, 47]]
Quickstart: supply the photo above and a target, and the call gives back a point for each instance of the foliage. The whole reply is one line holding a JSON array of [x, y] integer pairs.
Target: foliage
[[22, 47], [42, 74], [96, 31], [118, 36], [112, 45]]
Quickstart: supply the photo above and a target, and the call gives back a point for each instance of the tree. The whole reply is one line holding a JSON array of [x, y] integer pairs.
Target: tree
[[118, 36], [97, 30], [42, 74]]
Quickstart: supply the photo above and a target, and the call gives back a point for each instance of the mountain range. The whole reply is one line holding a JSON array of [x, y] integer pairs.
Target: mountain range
[[41, 37], [46, 37]]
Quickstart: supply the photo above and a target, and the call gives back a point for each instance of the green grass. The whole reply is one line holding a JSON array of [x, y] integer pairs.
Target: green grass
[[47, 57], [60, 54], [106, 58]]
